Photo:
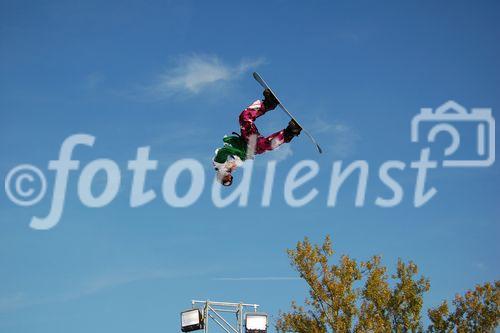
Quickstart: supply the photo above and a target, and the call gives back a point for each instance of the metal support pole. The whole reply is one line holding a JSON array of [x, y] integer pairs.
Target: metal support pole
[[205, 316], [220, 324], [240, 312], [222, 318]]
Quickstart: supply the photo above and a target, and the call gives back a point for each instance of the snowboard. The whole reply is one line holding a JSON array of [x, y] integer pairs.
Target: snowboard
[[264, 85]]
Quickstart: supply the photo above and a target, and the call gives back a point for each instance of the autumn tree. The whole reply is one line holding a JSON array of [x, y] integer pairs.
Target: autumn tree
[[351, 296], [476, 311]]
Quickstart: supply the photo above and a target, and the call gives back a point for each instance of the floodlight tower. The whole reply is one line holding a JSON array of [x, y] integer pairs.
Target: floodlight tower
[[197, 318]]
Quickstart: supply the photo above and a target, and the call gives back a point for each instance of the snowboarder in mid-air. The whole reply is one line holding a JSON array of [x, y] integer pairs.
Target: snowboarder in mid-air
[[237, 148]]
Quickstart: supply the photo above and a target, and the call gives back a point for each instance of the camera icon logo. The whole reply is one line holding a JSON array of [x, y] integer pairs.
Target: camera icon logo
[[445, 119]]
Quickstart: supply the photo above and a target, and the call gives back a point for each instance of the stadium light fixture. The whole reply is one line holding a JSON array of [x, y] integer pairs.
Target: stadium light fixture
[[256, 322], [191, 320]]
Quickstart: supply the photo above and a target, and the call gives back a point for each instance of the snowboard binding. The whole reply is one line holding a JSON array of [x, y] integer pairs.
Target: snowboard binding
[[292, 130], [270, 101]]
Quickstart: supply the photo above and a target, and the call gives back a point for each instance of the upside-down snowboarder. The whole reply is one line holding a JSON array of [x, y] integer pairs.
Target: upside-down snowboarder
[[238, 148]]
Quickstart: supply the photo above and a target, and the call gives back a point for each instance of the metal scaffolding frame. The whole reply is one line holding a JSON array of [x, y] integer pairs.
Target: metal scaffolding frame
[[214, 311]]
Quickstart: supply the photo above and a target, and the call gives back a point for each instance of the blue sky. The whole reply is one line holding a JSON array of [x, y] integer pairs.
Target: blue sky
[[174, 75]]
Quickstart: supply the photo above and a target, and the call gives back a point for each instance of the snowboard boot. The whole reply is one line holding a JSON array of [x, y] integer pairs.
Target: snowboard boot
[[270, 101], [292, 130]]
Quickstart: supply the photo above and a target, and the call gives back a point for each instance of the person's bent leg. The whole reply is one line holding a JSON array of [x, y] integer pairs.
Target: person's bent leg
[[271, 142], [250, 114], [275, 140], [247, 119]]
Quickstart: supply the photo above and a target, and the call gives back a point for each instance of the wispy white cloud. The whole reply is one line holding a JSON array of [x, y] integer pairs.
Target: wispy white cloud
[[343, 138], [111, 280], [87, 288], [14, 301], [480, 265], [279, 154], [94, 80], [192, 74], [282, 153], [258, 278]]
